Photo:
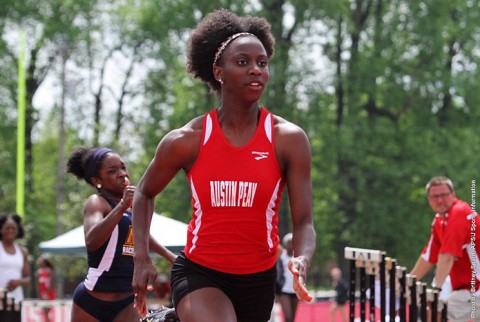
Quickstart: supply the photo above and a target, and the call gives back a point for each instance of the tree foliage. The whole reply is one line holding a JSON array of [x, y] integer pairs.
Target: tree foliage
[[385, 90]]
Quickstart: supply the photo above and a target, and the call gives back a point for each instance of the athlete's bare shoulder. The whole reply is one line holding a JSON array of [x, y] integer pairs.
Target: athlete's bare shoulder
[[192, 131], [291, 142], [195, 126], [284, 127], [183, 143]]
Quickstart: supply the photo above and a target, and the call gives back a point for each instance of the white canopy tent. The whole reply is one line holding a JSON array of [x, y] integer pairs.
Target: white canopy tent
[[169, 232]]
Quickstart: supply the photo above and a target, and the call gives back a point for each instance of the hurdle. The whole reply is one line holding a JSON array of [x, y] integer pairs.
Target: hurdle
[[10, 311], [401, 296]]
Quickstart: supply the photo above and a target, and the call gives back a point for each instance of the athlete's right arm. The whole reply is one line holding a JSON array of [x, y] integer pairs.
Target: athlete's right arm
[[175, 151]]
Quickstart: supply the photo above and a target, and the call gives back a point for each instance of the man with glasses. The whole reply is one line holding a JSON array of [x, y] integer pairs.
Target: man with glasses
[[452, 247]]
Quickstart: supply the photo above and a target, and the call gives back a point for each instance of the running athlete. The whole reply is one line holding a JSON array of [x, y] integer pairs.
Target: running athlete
[[237, 158], [106, 295], [14, 267]]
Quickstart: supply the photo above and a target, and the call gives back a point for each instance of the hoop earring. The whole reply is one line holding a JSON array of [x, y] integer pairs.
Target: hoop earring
[[99, 186]]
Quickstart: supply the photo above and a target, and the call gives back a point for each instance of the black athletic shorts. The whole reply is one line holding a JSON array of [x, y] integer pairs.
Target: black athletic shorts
[[252, 295]]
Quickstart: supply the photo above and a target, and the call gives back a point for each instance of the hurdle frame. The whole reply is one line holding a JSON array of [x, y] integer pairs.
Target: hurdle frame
[[414, 299]]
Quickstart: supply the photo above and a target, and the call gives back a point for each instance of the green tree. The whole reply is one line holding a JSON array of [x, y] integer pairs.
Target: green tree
[[386, 92]]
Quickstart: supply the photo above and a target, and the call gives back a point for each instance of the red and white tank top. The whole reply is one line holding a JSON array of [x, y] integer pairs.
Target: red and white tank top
[[236, 192]]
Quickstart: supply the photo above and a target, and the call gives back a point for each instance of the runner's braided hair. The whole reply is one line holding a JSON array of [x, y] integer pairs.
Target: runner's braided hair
[[212, 31]]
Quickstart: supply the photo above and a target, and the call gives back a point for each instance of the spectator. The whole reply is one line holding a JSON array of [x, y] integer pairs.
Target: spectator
[[45, 278], [452, 249], [45, 282], [339, 302], [285, 293], [14, 267]]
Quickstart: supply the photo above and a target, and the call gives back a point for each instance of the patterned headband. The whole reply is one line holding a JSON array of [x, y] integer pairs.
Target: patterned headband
[[226, 43], [92, 163]]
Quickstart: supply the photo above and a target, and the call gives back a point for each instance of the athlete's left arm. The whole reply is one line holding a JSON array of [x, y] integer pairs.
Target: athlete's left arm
[[293, 150]]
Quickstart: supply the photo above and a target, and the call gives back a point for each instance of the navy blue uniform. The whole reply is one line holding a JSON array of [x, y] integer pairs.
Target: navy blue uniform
[[110, 269]]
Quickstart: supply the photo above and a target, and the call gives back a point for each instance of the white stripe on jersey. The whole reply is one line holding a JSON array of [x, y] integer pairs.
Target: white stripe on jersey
[[271, 213], [198, 221], [268, 127], [208, 129], [107, 259]]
